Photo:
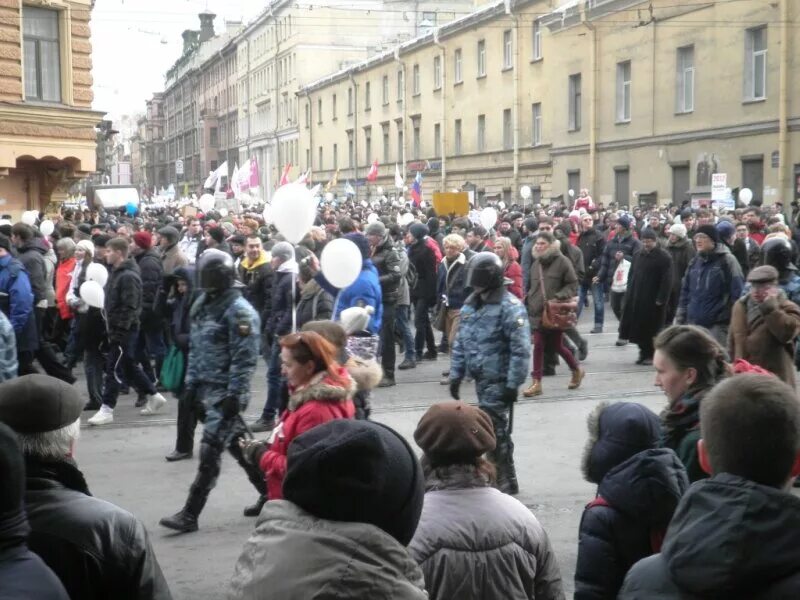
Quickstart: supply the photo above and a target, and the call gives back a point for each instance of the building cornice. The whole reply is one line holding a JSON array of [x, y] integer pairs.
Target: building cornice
[[63, 116]]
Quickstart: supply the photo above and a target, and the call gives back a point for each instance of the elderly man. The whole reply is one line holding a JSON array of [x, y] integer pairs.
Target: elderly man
[[97, 549]]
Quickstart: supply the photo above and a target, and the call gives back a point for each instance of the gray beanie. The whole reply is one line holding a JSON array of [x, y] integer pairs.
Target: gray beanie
[[376, 228], [283, 250], [169, 233]]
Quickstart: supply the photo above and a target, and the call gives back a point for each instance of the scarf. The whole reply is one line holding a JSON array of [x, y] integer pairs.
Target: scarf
[[753, 308], [683, 416]]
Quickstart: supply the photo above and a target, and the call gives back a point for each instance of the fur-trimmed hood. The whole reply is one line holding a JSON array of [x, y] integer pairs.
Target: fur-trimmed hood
[[367, 374], [324, 388]]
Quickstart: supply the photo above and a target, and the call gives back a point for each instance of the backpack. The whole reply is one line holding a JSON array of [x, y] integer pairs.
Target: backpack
[[411, 272]]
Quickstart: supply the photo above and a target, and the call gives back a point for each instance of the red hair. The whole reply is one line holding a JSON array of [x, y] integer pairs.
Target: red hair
[[309, 346]]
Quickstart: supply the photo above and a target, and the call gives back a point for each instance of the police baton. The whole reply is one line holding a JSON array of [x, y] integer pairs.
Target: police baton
[[511, 418]]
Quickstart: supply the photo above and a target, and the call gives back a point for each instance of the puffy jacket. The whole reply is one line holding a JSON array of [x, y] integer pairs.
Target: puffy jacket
[[151, 273], [317, 559], [627, 244], [123, 302], [364, 291], [452, 281], [31, 255], [8, 349], [513, 272], [729, 538], [712, 283], [591, 243], [475, 543], [63, 284], [98, 550], [424, 260], [386, 259], [16, 301], [321, 400]]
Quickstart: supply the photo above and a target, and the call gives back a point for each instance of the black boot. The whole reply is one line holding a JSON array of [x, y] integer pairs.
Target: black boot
[[255, 509], [182, 521], [507, 477]]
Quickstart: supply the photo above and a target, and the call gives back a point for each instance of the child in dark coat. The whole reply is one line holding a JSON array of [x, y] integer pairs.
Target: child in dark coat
[[639, 486]]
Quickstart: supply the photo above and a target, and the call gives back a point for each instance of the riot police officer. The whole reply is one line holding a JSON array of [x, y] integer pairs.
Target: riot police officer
[[223, 352], [493, 346], [777, 252]]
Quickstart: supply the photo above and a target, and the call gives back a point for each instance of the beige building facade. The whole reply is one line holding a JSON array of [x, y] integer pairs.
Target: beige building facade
[[47, 127], [604, 94]]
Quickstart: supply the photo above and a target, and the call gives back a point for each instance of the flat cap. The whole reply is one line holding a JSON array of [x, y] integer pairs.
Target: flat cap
[[38, 403], [764, 274], [454, 432]]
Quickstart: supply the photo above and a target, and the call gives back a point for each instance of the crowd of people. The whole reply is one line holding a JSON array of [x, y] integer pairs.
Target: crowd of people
[[190, 304]]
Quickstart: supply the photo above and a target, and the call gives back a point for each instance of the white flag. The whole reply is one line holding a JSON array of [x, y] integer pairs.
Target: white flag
[[235, 181], [398, 179]]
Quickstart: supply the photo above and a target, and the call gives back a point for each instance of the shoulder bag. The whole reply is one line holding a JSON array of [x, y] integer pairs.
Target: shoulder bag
[[559, 315]]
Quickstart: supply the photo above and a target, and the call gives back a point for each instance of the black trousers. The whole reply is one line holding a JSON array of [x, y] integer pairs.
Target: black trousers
[[388, 351], [45, 355], [422, 323]]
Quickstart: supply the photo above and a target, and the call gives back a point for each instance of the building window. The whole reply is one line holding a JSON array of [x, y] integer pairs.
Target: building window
[[368, 143], [333, 107], [457, 75], [507, 135], [481, 133], [308, 158], [319, 165], [385, 85], [457, 138], [684, 88], [624, 92], [400, 85], [385, 143], [415, 80], [308, 115], [753, 178], [622, 186], [482, 58], [437, 139], [213, 137], [574, 102], [367, 99], [335, 156], [508, 50], [437, 72], [755, 64], [537, 40], [350, 101], [399, 145], [574, 181], [351, 158], [416, 141], [41, 54], [537, 123]]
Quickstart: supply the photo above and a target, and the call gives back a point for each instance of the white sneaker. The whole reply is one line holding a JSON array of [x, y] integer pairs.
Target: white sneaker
[[104, 416], [154, 405]]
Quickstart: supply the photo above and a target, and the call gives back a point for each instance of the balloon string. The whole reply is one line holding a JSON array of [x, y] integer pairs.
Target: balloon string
[[294, 305], [336, 304]]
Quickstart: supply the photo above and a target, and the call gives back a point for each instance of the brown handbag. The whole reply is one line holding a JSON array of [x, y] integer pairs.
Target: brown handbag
[[559, 315]]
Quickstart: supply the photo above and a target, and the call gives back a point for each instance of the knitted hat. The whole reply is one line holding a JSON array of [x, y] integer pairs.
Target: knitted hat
[[357, 471], [454, 433], [531, 224], [169, 233], [376, 228], [649, 234], [710, 231], [87, 246], [217, 234], [361, 242], [283, 250], [418, 230], [678, 230], [143, 239], [238, 239], [100, 240], [625, 221], [726, 230], [355, 318]]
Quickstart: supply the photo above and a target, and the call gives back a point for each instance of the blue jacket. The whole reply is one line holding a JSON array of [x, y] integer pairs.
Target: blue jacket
[[710, 287], [16, 301], [8, 349], [364, 291], [493, 343]]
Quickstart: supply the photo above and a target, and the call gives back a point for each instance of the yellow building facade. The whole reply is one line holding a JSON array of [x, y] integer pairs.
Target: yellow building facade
[[47, 127], [634, 104]]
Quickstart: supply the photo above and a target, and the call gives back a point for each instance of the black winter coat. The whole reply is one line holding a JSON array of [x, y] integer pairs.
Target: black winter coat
[[591, 243], [98, 550], [682, 252], [123, 300], [31, 255], [315, 304], [730, 538], [280, 317], [258, 288], [424, 261], [626, 244], [386, 259], [646, 298], [151, 272]]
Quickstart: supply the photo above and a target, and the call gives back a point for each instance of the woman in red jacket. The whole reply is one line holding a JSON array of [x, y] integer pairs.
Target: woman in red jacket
[[320, 390], [504, 249]]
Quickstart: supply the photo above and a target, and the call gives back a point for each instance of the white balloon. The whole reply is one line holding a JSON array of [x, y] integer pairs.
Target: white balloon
[[488, 217], [380, 190], [97, 273], [502, 205], [364, 204], [294, 211], [406, 219], [329, 196], [47, 227], [206, 202], [341, 262], [745, 195], [525, 192], [223, 212], [372, 218], [267, 214], [571, 193], [29, 217], [92, 293]]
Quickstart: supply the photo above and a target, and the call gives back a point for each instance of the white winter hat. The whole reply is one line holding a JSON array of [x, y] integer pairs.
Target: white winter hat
[[678, 230], [355, 318]]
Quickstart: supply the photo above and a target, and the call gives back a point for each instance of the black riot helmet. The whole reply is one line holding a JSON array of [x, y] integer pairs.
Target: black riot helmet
[[215, 270], [777, 252], [485, 270]]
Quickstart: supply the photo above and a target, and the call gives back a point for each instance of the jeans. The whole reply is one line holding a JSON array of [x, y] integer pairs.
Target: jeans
[[402, 321], [549, 337], [388, 351], [121, 365], [422, 323], [617, 301], [598, 297], [275, 383]]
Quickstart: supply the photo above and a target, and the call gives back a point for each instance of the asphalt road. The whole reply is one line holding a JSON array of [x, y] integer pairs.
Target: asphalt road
[[124, 463]]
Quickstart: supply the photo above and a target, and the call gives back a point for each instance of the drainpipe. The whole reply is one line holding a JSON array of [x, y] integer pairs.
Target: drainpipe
[[784, 163], [592, 100], [405, 87], [275, 136], [307, 95], [443, 125], [355, 127], [516, 106]]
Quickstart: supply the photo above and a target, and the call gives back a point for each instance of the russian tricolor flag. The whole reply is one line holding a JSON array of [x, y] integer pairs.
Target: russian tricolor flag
[[416, 189]]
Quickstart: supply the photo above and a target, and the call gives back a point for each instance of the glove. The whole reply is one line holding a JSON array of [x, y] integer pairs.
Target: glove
[[230, 407], [253, 450], [509, 395], [455, 384]]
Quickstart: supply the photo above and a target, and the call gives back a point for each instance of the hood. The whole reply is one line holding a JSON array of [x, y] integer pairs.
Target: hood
[[187, 274], [36, 244], [647, 486], [367, 373], [729, 533], [323, 388], [617, 432], [261, 260], [679, 243]]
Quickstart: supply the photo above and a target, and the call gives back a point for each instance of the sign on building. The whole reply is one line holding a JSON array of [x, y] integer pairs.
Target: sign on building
[[179, 167], [719, 185]]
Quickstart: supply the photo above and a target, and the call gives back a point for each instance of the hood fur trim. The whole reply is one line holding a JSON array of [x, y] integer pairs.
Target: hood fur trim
[[593, 424], [366, 373], [323, 389]]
